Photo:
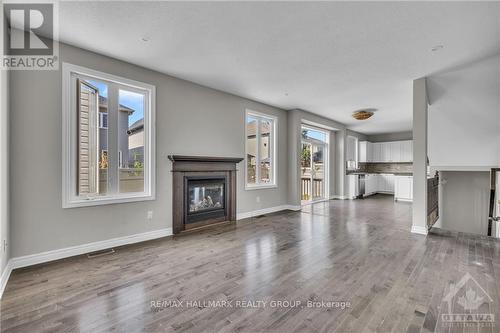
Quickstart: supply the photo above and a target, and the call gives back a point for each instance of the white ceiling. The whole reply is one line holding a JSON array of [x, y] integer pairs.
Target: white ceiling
[[330, 58]]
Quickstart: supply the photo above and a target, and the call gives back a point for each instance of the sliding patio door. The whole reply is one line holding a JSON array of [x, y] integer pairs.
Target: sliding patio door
[[313, 164], [318, 171]]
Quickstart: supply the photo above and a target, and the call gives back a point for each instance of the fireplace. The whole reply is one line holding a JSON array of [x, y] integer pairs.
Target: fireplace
[[205, 198], [204, 191]]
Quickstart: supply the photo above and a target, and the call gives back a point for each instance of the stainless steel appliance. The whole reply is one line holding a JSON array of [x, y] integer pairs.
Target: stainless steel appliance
[[361, 186]]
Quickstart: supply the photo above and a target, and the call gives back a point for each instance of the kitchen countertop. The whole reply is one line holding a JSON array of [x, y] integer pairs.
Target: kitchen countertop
[[380, 173], [384, 173]]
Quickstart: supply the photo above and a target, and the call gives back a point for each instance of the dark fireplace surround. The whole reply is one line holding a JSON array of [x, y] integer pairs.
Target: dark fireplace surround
[[204, 191]]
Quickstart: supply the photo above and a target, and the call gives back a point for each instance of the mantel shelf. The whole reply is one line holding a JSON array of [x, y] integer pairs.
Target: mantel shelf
[[185, 158]]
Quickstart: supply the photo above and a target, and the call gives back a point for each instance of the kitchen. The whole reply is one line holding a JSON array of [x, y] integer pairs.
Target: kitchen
[[379, 167]]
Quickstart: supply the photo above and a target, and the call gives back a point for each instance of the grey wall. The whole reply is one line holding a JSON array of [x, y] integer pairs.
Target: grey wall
[[190, 120], [419, 207], [4, 172], [464, 131], [465, 201], [464, 115], [360, 136], [340, 170], [387, 137]]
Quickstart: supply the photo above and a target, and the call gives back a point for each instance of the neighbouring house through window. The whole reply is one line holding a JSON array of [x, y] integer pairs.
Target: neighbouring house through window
[[103, 120], [260, 150], [109, 151]]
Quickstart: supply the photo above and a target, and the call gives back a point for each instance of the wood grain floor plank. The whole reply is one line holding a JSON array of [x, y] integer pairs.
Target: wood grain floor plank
[[360, 252]]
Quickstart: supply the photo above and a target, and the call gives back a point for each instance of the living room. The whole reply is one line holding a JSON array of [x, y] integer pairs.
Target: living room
[[196, 166]]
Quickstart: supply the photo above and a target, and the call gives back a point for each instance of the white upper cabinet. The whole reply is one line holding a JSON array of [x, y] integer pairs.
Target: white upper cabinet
[[363, 151], [407, 151], [385, 152], [377, 152], [369, 152], [352, 150], [397, 151]]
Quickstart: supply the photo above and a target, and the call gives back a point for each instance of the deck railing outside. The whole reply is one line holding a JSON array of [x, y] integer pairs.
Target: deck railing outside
[[307, 191]]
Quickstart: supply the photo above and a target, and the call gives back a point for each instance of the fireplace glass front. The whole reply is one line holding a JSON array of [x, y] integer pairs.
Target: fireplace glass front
[[205, 195]]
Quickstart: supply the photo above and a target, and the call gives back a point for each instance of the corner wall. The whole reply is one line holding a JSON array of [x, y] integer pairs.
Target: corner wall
[[419, 209], [4, 171], [464, 141]]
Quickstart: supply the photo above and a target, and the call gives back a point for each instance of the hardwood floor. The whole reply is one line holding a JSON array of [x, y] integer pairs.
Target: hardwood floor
[[358, 252]]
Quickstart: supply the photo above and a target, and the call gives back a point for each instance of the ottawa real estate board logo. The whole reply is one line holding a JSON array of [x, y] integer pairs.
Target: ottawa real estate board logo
[[29, 35], [468, 305]]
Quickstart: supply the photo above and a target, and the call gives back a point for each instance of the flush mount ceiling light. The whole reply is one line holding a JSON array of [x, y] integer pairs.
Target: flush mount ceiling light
[[437, 48], [363, 114]]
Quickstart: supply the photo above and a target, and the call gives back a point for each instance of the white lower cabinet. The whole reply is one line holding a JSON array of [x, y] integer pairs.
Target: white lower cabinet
[[353, 190], [375, 183], [385, 183], [403, 188], [369, 184]]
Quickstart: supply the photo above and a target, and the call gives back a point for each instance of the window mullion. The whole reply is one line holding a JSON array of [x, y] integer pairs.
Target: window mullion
[[113, 172], [257, 152], [271, 152]]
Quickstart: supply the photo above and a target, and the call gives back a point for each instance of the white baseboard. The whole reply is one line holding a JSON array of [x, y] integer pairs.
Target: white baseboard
[[5, 277], [67, 252], [403, 200], [294, 208], [416, 229], [241, 216], [340, 197]]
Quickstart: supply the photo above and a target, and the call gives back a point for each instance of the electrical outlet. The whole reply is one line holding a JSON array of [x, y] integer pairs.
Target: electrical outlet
[[150, 215], [4, 245]]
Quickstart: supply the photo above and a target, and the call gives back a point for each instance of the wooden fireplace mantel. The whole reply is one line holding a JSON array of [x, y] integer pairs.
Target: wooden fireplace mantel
[[188, 167], [184, 158], [203, 163]]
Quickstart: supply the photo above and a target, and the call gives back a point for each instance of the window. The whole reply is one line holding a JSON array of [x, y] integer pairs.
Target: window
[[108, 138], [260, 161], [103, 120], [352, 154], [314, 164], [120, 159]]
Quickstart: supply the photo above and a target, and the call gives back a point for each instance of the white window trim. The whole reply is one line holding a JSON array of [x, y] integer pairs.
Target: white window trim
[[120, 159], [274, 159], [101, 120], [326, 147], [69, 197], [356, 148]]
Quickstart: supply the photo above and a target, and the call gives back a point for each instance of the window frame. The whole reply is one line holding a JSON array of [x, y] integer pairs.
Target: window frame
[[356, 150], [274, 151], [326, 147], [103, 115], [69, 133]]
